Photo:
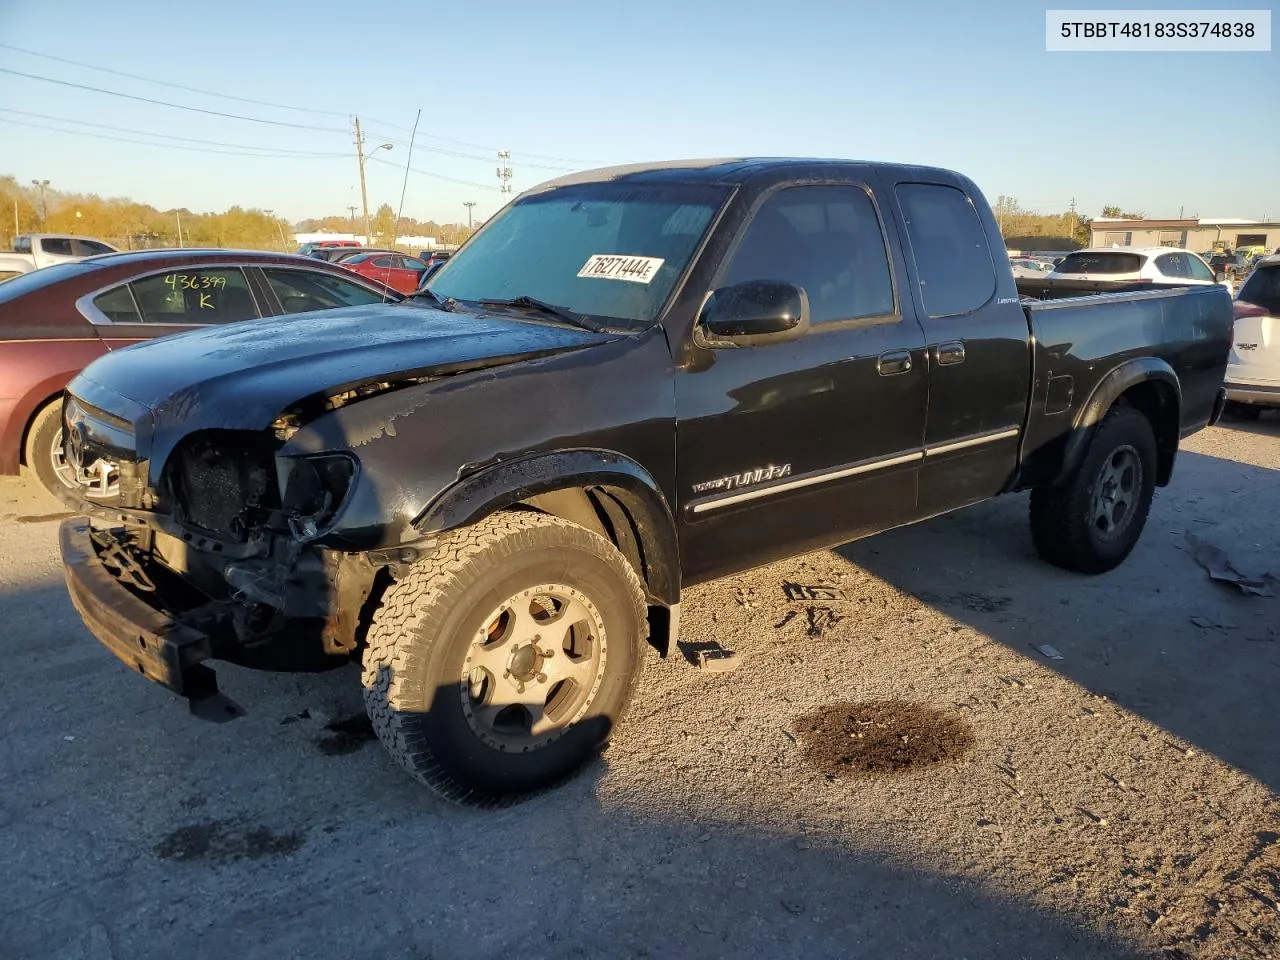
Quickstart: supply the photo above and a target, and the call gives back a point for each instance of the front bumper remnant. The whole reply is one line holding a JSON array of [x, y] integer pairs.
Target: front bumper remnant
[[145, 638]]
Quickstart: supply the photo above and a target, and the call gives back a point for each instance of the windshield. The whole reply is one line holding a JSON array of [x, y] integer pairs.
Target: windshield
[[1101, 263], [607, 250]]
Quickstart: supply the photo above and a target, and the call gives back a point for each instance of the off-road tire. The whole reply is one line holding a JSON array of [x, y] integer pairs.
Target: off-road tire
[[45, 426], [1063, 527], [424, 628]]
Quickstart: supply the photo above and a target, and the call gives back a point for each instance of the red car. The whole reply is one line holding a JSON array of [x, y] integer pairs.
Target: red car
[[394, 269], [54, 321]]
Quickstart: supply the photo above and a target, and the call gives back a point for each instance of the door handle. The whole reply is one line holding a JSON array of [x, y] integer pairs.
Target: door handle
[[950, 352], [896, 361]]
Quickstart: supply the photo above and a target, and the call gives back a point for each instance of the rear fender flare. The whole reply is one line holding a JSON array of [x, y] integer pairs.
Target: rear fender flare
[[500, 485], [1110, 388]]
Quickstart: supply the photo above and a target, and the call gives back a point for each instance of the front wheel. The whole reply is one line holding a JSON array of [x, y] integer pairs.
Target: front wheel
[[1091, 524], [44, 450], [502, 662]]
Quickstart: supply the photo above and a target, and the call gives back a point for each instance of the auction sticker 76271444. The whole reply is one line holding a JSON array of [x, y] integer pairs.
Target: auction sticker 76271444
[[613, 266]]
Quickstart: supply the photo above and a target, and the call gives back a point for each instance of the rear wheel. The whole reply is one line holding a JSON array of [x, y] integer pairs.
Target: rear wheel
[[1091, 524], [44, 449], [502, 662]]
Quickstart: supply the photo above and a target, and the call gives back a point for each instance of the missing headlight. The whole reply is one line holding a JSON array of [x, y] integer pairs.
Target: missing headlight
[[313, 489]]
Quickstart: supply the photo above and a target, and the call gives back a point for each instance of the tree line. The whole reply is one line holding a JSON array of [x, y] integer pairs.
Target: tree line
[[130, 225]]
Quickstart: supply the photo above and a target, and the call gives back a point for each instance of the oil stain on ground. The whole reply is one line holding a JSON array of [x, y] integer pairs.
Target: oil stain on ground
[[222, 841], [347, 735], [881, 736]]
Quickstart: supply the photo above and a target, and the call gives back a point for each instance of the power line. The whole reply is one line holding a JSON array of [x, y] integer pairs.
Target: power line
[[471, 156], [268, 103], [173, 146], [170, 136], [436, 176], [166, 83], [166, 103]]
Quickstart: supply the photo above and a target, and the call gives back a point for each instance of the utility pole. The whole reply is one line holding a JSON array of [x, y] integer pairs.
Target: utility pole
[[1073, 218], [353, 220], [504, 171], [44, 207], [17, 229], [364, 195], [468, 204], [360, 156], [279, 228], [178, 214]]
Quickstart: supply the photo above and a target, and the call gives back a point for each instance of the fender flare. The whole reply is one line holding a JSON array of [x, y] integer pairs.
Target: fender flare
[[1109, 389], [627, 483]]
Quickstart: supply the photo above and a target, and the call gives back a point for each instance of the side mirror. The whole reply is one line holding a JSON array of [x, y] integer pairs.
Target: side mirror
[[757, 311]]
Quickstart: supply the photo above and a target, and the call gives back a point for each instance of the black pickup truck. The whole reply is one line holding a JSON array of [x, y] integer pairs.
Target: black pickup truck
[[628, 381]]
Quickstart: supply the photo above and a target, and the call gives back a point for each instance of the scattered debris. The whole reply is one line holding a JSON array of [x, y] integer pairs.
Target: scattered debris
[[1049, 651], [1208, 624], [747, 598], [295, 717], [69, 739], [981, 602], [718, 661], [709, 656], [1221, 570], [882, 736], [805, 591], [792, 906]]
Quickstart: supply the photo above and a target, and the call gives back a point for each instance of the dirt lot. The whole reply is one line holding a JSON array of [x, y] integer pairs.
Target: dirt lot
[[893, 771]]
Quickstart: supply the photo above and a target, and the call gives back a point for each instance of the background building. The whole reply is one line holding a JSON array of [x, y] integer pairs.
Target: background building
[[1197, 235]]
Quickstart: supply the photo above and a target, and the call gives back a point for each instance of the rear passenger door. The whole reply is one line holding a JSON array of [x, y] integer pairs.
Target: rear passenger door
[[978, 347], [180, 299], [808, 442]]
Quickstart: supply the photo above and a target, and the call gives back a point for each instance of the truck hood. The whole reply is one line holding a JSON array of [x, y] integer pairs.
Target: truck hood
[[243, 375]]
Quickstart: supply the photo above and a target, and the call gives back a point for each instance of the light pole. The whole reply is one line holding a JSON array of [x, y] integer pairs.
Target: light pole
[[360, 156], [44, 208], [279, 229], [468, 204]]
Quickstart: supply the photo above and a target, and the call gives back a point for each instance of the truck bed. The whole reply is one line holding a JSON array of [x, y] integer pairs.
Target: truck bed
[[1180, 333]]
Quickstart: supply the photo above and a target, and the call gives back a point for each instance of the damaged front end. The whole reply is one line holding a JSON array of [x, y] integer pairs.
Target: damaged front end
[[221, 560]]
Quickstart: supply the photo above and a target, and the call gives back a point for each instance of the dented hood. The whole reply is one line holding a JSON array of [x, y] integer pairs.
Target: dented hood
[[242, 375]]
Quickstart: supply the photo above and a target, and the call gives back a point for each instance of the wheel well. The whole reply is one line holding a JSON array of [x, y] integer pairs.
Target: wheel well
[[1158, 402], [602, 511], [26, 428]]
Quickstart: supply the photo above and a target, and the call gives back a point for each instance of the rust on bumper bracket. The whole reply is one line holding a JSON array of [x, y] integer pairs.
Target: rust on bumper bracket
[[143, 637]]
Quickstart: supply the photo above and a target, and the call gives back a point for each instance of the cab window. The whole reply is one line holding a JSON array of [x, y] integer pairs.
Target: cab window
[[300, 291], [826, 239]]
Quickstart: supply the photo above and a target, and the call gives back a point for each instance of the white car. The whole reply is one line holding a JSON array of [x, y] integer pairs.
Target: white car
[[1024, 267], [1253, 370], [1159, 264]]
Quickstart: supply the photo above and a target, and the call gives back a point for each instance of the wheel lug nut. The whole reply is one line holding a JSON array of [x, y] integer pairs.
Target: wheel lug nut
[[542, 678]]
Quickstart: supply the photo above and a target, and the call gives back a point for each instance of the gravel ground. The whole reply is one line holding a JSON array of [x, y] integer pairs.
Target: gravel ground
[[1118, 802]]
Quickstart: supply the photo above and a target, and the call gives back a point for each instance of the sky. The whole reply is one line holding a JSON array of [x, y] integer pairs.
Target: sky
[[566, 85]]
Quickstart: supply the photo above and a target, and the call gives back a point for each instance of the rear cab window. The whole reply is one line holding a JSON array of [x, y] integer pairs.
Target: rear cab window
[[953, 260]]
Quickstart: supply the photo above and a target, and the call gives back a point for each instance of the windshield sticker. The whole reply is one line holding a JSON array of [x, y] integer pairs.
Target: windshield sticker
[[611, 266]]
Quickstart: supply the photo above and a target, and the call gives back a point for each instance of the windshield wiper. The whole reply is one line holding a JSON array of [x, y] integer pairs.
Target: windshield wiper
[[551, 310], [444, 303]]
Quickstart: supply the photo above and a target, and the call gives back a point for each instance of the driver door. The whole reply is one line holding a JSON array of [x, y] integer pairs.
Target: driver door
[[804, 443]]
